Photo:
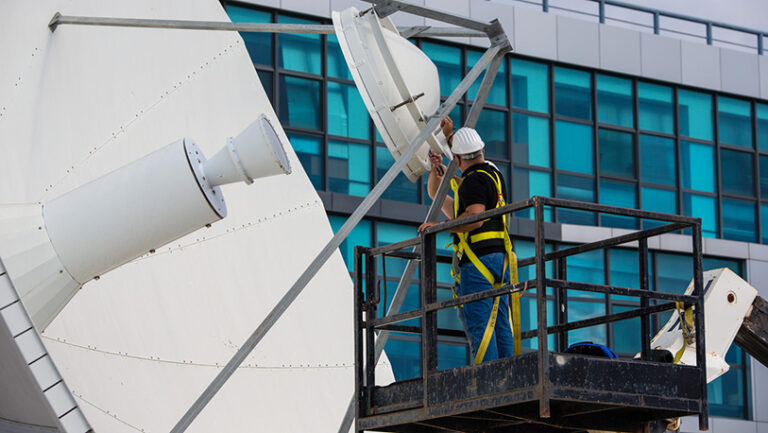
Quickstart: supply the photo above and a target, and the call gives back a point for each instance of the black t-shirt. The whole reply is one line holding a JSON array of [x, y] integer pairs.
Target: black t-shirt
[[478, 188]]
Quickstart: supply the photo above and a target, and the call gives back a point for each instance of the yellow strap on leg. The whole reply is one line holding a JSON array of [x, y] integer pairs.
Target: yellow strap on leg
[[516, 331], [488, 332]]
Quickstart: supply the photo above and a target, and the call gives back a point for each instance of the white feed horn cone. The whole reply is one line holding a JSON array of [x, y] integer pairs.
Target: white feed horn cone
[[256, 152]]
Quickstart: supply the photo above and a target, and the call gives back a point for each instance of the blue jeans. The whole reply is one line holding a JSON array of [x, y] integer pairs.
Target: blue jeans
[[475, 315]]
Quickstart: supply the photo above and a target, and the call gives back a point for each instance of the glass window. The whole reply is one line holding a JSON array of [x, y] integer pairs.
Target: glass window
[[657, 160], [763, 176], [735, 117], [259, 45], [582, 311], [764, 222], [530, 85], [337, 66], [310, 153], [266, 82], [626, 333], [528, 183], [702, 207], [695, 114], [617, 156], [401, 188], [530, 138], [615, 101], [697, 166], [655, 108], [573, 93], [736, 172], [300, 102], [492, 127], [762, 127], [347, 115], [448, 62], [657, 200], [360, 235], [739, 220], [349, 168], [574, 148], [621, 195], [498, 93], [404, 353], [624, 272], [727, 394], [575, 188], [299, 51]]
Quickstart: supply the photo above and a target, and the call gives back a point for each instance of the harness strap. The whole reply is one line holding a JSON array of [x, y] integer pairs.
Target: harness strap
[[462, 247], [686, 324]]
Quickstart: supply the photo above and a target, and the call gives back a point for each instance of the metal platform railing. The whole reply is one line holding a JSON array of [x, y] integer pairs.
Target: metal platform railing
[[369, 322]]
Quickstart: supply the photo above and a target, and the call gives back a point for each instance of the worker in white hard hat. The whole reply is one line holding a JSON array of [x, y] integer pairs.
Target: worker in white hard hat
[[483, 257]]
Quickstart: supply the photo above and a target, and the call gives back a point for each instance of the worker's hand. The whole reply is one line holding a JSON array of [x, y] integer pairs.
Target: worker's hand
[[438, 168], [447, 126], [426, 226]]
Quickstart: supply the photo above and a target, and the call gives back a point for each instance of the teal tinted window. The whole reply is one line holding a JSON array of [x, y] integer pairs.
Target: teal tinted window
[[764, 222], [735, 121], [657, 200], [727, 394], [404, 353], [310, 153], [498, 93], [617, 156], [626, 333], [763, 176], [347, 115], [337, 66], [656, 110], [492, 127], [574, 147], [621, 195], [299, 51], [573, 93], [349, 168], [266, 82], [624, 272], [360, 235], [674, 271], [259, 45], [695, 114], [657, 160], [448, 62], [528, 183], [614, 101], [530, 138], [582, 311], [736, 172], [702, 207], [697, 166], [401, 188], [585, 268], [739, 220], [762, 127], [530, 85], [300, 102], [575, 188]]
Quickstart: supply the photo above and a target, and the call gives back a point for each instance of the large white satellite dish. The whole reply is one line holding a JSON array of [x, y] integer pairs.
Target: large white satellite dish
[[399, 84], [131, 350]]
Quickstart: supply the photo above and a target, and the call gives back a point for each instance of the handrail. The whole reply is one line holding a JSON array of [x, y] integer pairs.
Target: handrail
[[656, 14]]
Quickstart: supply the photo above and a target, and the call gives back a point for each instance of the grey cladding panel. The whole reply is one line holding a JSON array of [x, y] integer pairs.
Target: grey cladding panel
[[763, 76], [740, 72], [701, 65], [488, 11], [578, 42], [535, 33], [620, 50], [321, 8], [660, 57]]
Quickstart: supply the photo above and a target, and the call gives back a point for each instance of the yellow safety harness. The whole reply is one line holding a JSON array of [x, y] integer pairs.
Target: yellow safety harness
[[686, 325], [463, 247]]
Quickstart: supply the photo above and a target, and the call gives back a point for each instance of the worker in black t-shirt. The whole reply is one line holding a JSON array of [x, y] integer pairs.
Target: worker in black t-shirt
[[483, 255]]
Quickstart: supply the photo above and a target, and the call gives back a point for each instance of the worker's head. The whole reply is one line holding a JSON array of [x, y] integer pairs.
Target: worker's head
[[467, 146]]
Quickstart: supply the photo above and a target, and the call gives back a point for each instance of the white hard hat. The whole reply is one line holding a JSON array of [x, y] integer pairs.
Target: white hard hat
[[466, 141]]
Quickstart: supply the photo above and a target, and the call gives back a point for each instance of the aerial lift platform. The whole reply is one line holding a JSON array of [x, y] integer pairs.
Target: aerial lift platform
[[543, 390]]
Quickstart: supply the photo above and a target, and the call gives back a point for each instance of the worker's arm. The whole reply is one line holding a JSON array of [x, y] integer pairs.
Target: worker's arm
[[433, 182], [472, 209]]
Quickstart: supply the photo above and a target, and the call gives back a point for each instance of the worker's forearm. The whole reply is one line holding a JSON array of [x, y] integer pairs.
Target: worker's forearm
[[433, 183]]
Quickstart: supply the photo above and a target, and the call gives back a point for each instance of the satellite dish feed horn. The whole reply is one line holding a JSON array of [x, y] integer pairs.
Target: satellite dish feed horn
[[51, 250]]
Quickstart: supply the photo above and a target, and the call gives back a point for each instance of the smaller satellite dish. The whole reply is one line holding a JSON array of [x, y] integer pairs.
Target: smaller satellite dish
[[399, 84]]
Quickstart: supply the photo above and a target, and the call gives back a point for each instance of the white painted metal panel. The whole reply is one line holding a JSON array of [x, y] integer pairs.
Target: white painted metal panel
[[660, 57], [578, 42], [700, 65], [153, 333]]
